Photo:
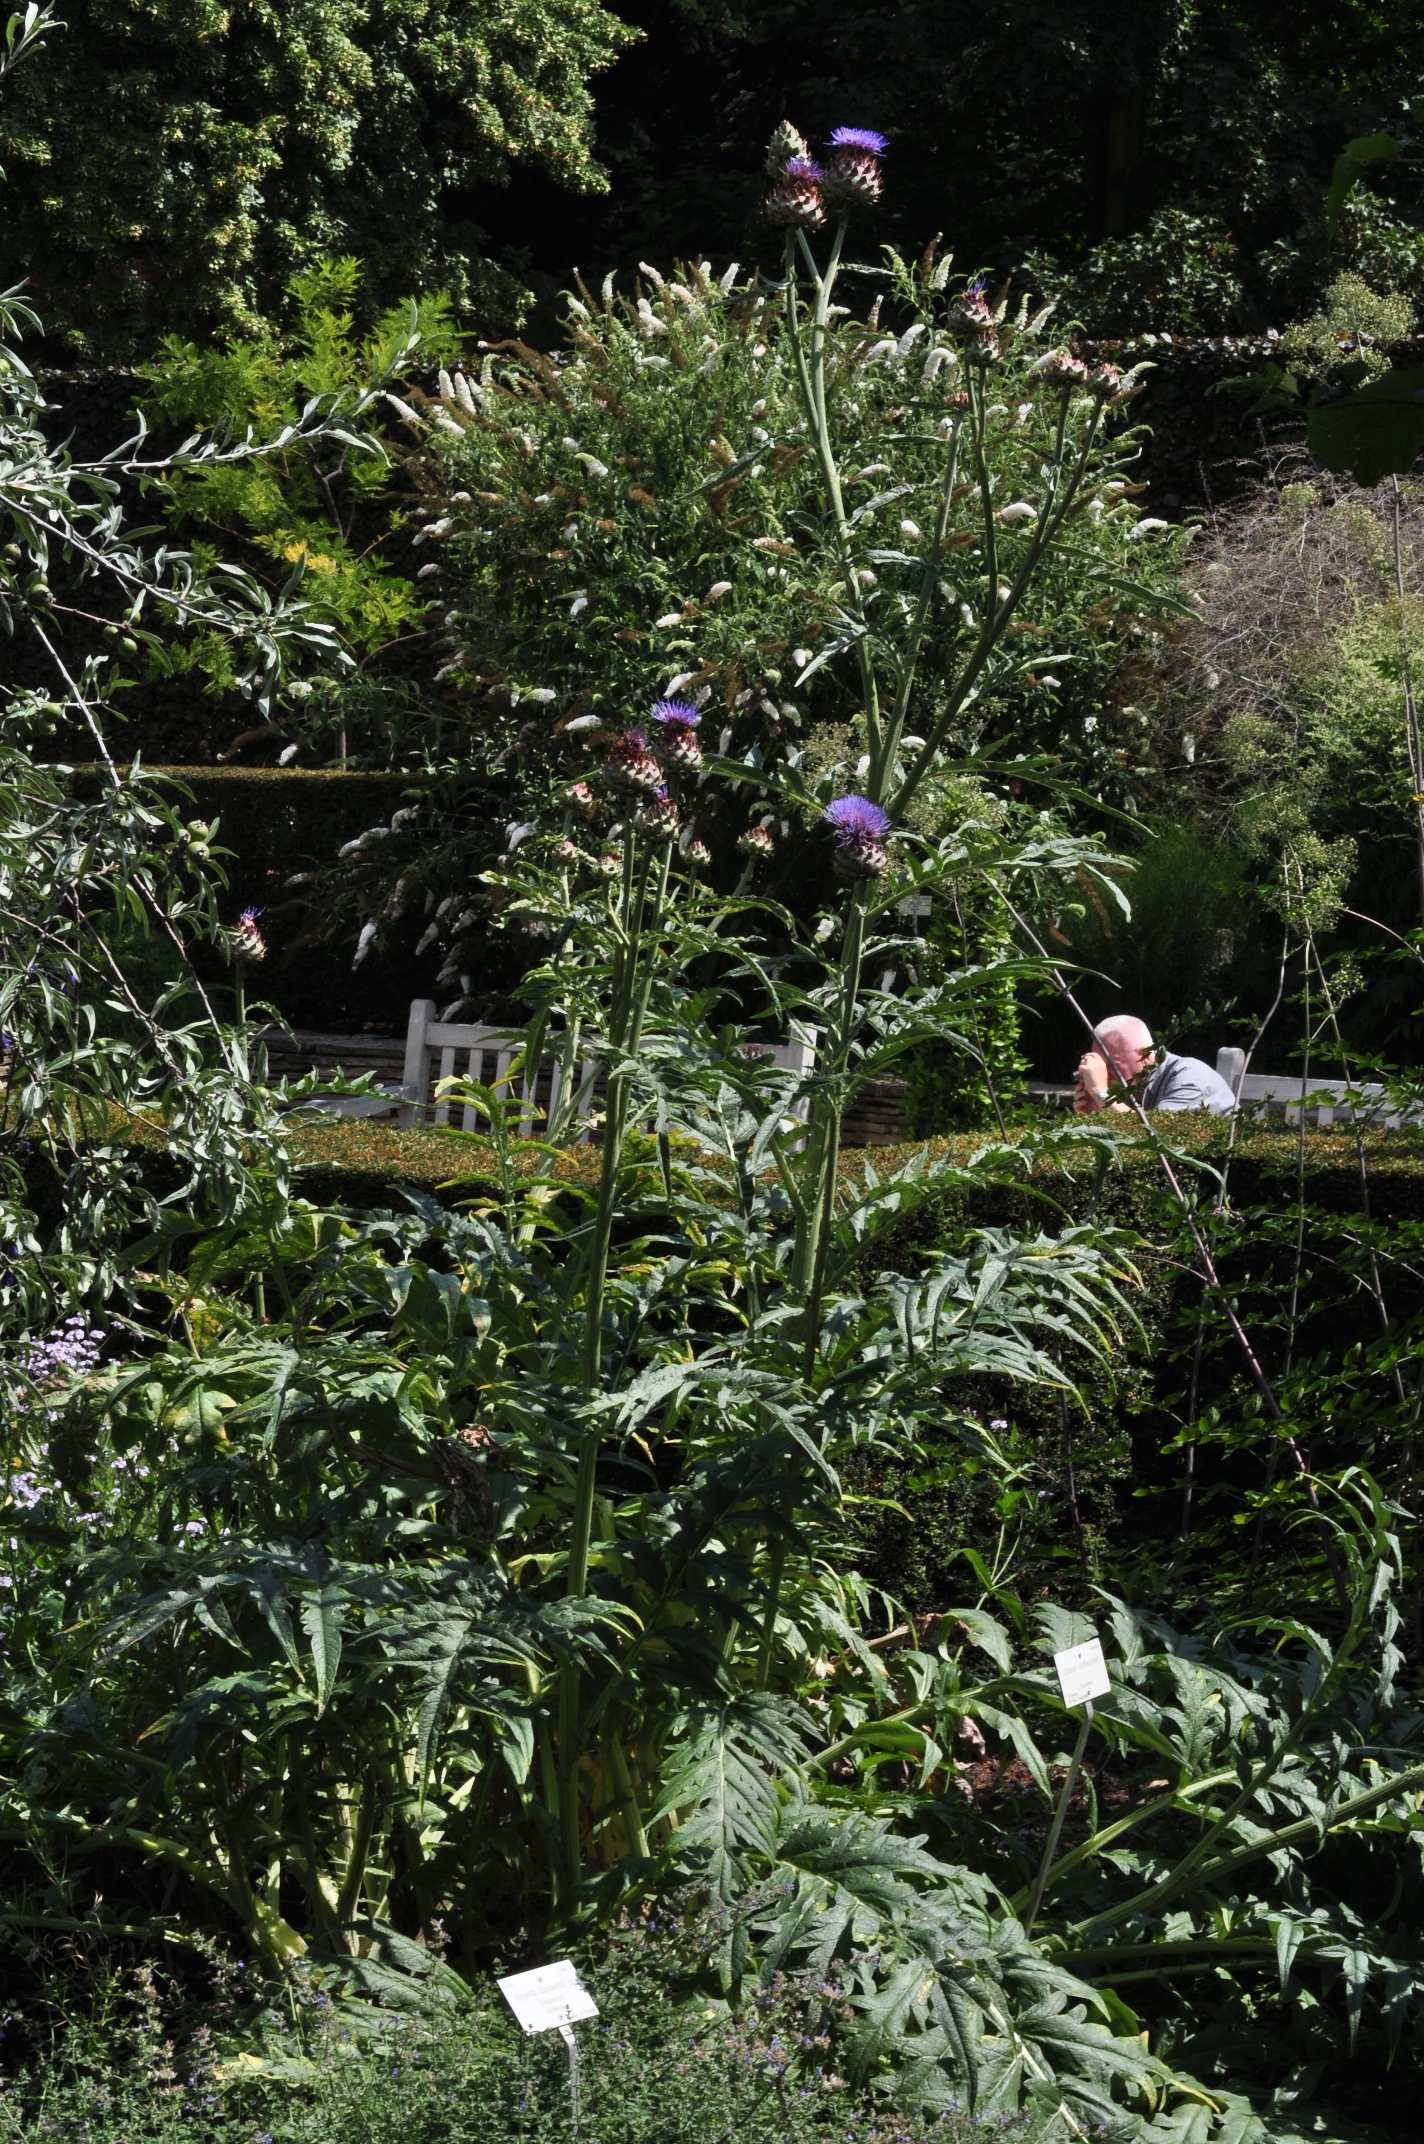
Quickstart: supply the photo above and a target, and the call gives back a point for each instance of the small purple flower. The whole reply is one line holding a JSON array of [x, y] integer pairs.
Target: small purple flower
[[681, 712], [863, 138], [805, 167]]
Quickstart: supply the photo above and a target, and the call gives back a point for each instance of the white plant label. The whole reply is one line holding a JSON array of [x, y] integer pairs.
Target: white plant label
[[1082, 1673], [549, 1998]]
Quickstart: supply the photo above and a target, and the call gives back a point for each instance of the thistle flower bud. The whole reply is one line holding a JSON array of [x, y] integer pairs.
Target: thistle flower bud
[[656, 815], [860, 830], [631, 765], [794, 202], [1061, 369], [609, 865], [1104, 380], [580, 796], [971, 315], [852, 178], [757, 841], [785, 144], [697, 852], [249, 943]]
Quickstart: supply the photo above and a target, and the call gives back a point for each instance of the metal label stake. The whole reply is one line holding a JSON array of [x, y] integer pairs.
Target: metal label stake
[[552, 1999], [1082, 1676], [572, 2045]]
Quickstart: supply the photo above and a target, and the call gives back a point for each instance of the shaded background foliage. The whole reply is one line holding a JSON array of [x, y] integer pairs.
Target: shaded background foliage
[[370, 1460], [1171, 154], [1165, 167]]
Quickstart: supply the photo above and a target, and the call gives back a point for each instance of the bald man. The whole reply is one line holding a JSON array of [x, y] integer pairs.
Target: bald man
[[1126, 1057]]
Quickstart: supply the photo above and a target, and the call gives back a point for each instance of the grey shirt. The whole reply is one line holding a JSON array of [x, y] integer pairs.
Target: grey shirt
[[1187, 1083]]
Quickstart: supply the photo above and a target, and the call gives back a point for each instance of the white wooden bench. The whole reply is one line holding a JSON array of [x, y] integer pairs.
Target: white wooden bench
[[438, 1052], [1326, 1098]]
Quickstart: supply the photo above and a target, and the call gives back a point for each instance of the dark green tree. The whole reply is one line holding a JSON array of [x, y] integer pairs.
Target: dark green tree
[[175, 162]]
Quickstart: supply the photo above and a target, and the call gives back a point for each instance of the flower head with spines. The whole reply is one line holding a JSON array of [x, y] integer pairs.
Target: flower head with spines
[[675, 737], [251, 945], [1062, 369], [860, 828], [657, 815], [630, 763], [794, 202], [852, 176], [785, 144]]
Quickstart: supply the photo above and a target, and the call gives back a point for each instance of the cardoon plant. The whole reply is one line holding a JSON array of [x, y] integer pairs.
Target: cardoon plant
[[962, 582]]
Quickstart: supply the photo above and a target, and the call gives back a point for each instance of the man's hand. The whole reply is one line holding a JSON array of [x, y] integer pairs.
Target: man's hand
[[1091, 1091]]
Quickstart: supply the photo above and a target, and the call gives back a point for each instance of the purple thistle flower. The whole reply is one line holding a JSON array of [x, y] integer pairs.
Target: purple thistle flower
[[863, 138], [794, 202], [677, 722], [860, 829], [857, 819], [853, 178]]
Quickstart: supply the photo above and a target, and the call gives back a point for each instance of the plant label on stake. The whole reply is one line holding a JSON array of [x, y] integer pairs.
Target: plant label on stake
[[552, 1998], [548, 1998], [1082, 1673], [1082, 1676]]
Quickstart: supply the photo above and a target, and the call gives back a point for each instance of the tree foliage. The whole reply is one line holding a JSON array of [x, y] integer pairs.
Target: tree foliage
[[177, 162]]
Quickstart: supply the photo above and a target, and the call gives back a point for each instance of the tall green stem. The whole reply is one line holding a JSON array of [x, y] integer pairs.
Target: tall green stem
[[814, 1230], [641, 908], [773, 1610]]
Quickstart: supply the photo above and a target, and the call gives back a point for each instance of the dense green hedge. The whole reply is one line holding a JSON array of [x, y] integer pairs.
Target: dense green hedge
[[351, 1159]]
